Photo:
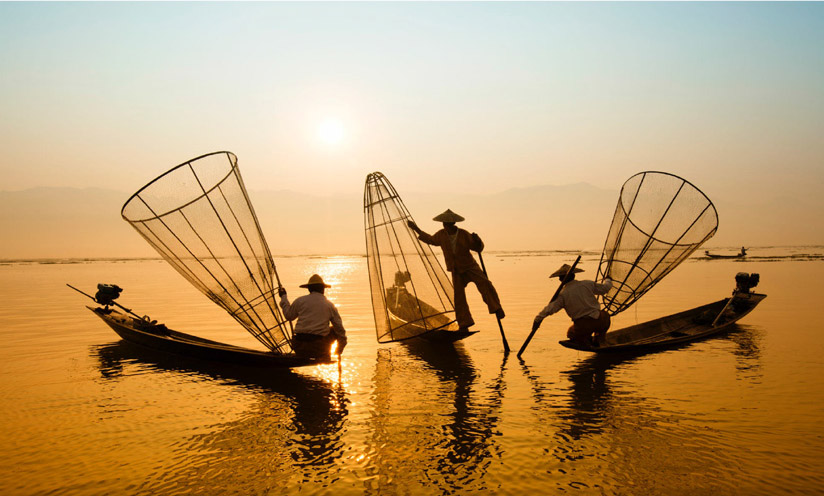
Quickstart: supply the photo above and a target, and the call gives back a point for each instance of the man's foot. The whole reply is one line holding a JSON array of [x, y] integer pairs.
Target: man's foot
[[500, 313]]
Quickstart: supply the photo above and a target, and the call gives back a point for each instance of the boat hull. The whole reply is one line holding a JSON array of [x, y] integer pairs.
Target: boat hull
[[690, 325], [445, 334], [442, 336], [159, 337]]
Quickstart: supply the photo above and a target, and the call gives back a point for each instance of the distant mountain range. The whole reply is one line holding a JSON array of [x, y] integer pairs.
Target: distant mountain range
[[86, 223]]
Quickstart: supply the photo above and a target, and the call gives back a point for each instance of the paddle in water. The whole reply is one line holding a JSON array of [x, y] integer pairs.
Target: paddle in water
[[500, 326]]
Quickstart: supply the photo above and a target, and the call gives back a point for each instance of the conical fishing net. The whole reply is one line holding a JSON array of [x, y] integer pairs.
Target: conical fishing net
[[199, 218], [659, 221], [411, 292]]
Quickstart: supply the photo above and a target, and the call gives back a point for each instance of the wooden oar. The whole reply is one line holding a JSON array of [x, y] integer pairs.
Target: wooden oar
[[721, 313], [557, 292], [500, 326]]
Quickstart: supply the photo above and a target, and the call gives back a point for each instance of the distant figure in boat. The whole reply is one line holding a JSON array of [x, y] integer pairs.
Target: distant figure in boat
[[456, 244], [741, 254], [319, 323], [589, 322]]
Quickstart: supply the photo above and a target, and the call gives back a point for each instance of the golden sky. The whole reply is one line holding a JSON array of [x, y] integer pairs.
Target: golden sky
[[444, 97]]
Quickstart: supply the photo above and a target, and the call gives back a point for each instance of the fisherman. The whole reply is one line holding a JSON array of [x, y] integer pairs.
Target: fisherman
[[455, 244], [589, 322], [319, 323]]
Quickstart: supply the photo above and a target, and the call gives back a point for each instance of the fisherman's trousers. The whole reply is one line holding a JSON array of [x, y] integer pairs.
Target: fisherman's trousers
[[314, 345], [485, 287], [582, 329]]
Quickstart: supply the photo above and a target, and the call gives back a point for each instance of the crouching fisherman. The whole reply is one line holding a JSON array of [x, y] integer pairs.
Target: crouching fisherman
[[577, 298], [319, 323]]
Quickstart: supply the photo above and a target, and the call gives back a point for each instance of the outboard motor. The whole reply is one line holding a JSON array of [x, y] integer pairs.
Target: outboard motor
[[107, 293], [744, 282]]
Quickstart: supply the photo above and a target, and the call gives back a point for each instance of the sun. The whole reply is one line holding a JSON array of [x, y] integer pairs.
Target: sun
[[331, 132]]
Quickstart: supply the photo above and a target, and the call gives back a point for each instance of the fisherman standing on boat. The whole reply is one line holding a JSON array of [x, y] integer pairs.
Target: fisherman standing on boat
[[319, 323], [589, 322], [456, 244]]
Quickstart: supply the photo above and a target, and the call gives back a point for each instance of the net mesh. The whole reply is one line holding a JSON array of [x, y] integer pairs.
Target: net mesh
[[411, 292], [659, 221], [199, 218]]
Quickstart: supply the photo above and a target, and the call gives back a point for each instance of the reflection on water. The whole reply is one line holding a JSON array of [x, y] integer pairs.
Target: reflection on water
[[441, 432], [439, 435], [748, 350], [469, 441], [588, 381], [734, 414], [589, 395], [293, 428], [601, 424]]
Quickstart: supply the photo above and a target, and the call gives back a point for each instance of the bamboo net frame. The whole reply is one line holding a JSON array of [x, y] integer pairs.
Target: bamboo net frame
[[659, 221], [411, 292], [199, 218]]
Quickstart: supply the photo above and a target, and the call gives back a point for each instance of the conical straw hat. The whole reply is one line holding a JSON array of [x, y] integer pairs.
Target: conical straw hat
[[315, 280], [563, 271], [448, 216]]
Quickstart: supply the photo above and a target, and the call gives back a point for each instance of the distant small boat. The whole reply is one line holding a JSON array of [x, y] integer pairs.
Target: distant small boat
[[156, 336], [741, 254], [690, 325]]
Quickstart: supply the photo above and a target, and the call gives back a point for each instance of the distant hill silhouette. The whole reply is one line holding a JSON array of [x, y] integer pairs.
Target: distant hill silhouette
[[86, 223]]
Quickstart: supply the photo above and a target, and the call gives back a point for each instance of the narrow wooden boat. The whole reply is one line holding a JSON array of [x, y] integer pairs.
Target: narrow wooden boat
[[741, 254], [417, 331], [156, 336], [442, 336], [713, 255], [690, 325], [419, 320], [198, 216]]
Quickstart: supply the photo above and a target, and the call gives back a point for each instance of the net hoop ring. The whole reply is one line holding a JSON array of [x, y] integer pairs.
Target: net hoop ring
[[232, 160], [644, 174]]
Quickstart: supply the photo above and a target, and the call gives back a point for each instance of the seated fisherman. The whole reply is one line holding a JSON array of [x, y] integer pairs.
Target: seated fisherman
[[319, 323], [577, 298], [455, 244]]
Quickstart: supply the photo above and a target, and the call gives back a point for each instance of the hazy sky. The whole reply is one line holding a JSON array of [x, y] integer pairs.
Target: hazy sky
[[439, 96]]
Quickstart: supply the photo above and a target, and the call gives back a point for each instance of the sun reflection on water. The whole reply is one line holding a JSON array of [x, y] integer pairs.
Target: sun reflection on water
[[400, 419]]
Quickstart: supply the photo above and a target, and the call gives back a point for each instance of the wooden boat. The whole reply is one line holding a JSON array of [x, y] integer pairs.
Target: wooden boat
[[441, 335], [741, 254], [690, 325], [713, 255], [659, 221], [420, 320], [156, 336], [198, 216]]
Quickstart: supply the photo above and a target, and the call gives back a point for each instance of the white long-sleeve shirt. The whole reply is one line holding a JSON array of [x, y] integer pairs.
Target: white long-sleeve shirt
[[578, 299], [314, 313]]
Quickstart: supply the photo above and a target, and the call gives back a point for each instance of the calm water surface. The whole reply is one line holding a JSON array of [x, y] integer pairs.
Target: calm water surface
[[85, 413]]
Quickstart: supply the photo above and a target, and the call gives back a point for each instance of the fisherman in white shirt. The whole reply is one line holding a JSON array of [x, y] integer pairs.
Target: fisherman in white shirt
[[577, 298], [319, 323]]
